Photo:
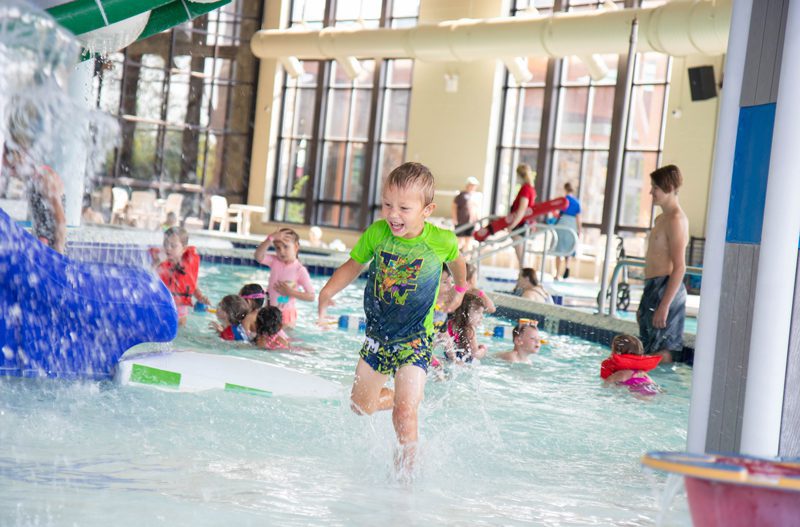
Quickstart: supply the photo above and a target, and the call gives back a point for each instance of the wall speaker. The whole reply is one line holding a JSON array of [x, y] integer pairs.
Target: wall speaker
[[702, 83]]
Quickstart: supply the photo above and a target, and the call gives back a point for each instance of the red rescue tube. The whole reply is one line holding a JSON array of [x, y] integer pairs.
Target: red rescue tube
[[536, 210]]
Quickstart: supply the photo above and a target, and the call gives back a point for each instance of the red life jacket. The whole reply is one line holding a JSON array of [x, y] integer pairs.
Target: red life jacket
[[624, 361], [181, 278]]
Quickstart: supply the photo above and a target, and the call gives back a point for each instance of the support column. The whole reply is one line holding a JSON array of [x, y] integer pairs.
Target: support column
[[72, 165]]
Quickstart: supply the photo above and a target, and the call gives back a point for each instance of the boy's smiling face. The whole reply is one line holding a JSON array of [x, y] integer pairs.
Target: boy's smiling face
[[405, 211]]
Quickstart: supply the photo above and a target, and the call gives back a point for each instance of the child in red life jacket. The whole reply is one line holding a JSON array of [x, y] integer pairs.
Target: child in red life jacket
[[179, 270], [231, 311], [627, 365]]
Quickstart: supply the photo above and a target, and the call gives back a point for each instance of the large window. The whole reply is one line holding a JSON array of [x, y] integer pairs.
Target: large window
[[561, 122], [184, 99], [342, 128]]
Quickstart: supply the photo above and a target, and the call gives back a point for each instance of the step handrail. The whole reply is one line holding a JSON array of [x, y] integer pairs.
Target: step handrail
[[636, 262]]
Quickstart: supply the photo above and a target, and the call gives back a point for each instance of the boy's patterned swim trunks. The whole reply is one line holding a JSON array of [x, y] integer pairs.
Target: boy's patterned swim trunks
[[388, 359]]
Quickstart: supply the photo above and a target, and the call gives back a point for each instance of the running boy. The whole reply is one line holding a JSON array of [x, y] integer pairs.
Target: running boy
[[407, 255]]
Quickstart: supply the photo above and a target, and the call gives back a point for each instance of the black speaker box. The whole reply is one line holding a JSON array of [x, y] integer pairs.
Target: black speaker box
[[701, 82]]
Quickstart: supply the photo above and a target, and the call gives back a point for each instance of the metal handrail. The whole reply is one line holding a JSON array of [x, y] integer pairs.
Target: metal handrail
[[636, 262], [475, 224], [525, 234]]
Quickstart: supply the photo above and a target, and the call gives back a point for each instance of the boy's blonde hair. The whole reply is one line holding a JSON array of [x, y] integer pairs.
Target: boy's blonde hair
[[180, 232], [412, 175]]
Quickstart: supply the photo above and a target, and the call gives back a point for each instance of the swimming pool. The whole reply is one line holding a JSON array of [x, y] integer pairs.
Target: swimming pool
[[501, 444]]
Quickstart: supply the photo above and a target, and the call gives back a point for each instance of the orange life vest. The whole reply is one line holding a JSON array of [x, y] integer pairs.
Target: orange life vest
[[181, 278], [624, 361]]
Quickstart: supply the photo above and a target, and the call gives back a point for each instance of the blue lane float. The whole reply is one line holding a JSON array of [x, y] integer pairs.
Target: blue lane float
[[68, 319]]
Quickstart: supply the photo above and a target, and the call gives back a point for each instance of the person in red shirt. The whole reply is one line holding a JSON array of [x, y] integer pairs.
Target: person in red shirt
[[519, 208], [179, 270]]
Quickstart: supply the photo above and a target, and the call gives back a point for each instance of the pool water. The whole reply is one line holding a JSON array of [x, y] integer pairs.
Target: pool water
[[501, 444]]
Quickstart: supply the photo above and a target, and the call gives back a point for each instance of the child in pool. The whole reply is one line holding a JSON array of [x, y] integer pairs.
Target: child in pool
[[286, 273], [231, 311], [462, 327], [178, 270], [255, 296], [526, 343], [627, 365], [472, 280], [406, 254], [269, 329]]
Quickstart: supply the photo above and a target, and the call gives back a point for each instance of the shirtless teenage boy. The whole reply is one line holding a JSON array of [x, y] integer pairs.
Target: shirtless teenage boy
[[662, 310]]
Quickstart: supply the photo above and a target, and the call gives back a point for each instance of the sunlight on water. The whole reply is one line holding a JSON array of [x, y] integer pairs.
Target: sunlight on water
[[501, 444]]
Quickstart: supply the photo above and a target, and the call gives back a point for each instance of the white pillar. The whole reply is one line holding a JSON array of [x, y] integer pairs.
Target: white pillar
[[716, 226], [777, 261], [72, 165]]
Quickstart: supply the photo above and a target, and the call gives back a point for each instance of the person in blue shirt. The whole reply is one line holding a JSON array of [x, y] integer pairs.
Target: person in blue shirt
[[569, 217], [405, 254]]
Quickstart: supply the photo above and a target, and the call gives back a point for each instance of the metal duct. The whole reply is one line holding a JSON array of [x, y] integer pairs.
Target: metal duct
[[676, 28]]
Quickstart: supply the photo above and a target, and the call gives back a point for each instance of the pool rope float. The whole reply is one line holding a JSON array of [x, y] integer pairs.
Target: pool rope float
[[735, 491], [64, 318]]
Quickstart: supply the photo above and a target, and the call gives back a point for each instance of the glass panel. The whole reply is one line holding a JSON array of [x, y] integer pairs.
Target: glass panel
[[593, 186], [525, 155], [338, 77], [532, 117], [284, 162], [612, 62], [404, 22], [173, 147], [651, 67], [304, 113], [361, 113], [510, 119], [149, 87], [309, 76], [295, 212], [391, 156], [144, 151], [505, 181], [575, 71], [288, 124], [647, 104], [395, 115], [308, 10], [571, 116], [538, 67], [636, 205], [333, 174], [399, 72], [406, 8], [279, 210], [354, 184], [566, 168], [350, 217], [328, 214], [600, 120], [338, 114], [367, 76]]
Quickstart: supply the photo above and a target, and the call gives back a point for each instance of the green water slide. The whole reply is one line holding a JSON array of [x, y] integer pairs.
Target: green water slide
[[83, 16]]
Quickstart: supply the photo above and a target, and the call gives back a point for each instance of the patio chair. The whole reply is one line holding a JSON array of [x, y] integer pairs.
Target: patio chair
[[223, 215], [143, 211], [119, 200]]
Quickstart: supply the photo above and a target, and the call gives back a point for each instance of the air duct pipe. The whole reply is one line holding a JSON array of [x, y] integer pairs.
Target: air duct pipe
[[675, 28]]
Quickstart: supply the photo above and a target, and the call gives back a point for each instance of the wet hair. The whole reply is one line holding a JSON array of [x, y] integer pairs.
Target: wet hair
[[269, 321], [286, 231], [519, 328], [530, 274], [568, 188], [235, 307], [627, 345], [668, 178], [253, 290], [460, 317], [180, 232], [525, 171], [412, 176]]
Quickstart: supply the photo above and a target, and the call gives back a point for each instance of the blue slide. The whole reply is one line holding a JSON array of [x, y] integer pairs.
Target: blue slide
[[68, 319]]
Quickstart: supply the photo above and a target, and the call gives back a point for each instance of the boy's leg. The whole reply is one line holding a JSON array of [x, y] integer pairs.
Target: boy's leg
[[368, 394], [409, 385]]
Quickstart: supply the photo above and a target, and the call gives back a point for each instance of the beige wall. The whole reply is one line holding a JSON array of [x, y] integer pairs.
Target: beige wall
[[689, 138]]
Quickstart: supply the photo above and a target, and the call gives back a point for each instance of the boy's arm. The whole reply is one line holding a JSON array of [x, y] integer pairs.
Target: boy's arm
[[458, 268], [341, 278], [677, 250]]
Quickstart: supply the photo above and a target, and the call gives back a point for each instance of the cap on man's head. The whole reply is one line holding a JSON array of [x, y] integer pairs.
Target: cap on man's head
[[472, 180]]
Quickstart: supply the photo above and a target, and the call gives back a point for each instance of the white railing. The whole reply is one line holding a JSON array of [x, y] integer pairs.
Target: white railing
[[635, 262]]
